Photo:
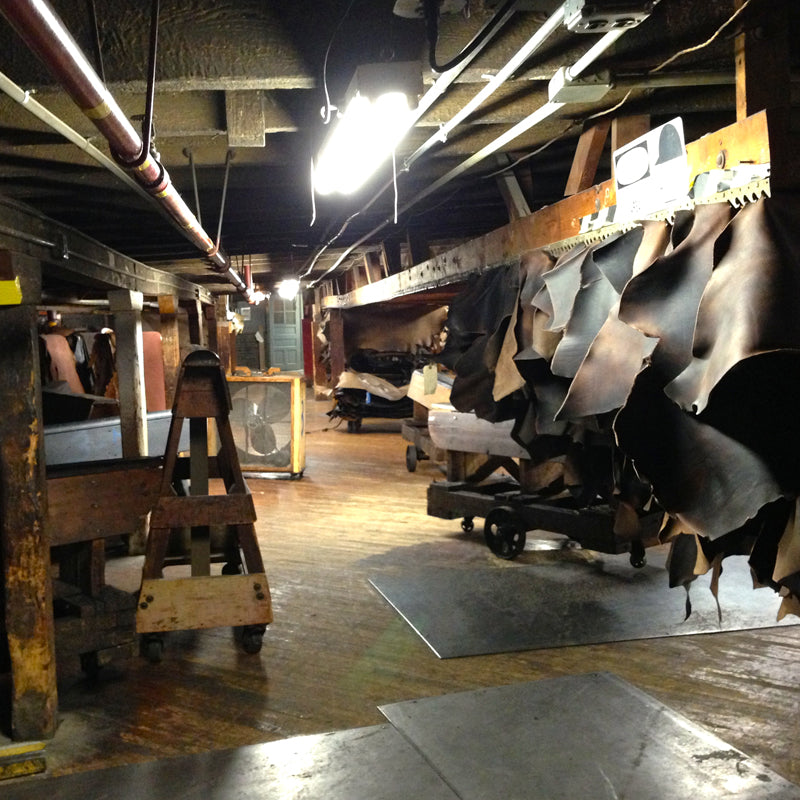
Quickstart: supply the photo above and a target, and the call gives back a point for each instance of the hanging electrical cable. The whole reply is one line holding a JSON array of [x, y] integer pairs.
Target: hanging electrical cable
[[431, 10], [487, 32]]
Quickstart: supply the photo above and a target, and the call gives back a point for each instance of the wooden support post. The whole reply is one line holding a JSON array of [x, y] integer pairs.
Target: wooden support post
[[418, 247], [510, 190], [373, 265], [24, 544], [587, 157], [219, 340], [336, 344], [197, 334], [626, 129], [762, 59], [320, 377], [170, 343], [390, 250], [126, 307]]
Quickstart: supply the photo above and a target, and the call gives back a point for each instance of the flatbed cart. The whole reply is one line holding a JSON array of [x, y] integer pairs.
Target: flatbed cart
[[509, 513]]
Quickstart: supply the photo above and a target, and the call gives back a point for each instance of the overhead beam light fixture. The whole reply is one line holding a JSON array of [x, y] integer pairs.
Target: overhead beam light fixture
[[378, 113]]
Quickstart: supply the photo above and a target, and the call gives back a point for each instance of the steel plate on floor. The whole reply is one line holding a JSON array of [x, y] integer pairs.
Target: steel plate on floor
[[583, 736], [464, 611], [375, 763]]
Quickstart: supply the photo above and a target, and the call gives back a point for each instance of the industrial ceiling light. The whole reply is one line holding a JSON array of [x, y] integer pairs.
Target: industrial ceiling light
[[378, 114], [288, 288]]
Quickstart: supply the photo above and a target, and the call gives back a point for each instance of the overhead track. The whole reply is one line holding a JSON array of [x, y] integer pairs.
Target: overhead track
[[45, 34]]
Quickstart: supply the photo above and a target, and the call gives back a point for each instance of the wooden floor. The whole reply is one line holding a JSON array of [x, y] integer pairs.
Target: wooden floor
[[337, 650]]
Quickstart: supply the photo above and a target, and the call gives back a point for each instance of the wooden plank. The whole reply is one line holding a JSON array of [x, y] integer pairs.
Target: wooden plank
[[762, 59], [203, 602], [170, 343], [24, 545], [336, 343], [96, 506], [510, 191], [191, 512], [244, 116], [218, 331], [127, 310], [63, 250], [587, 157]]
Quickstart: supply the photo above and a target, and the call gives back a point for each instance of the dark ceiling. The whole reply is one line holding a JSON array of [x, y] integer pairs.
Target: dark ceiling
[[269, 55]]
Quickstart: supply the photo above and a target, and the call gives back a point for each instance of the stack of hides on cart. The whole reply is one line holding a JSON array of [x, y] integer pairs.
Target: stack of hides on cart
[[658, 366], [375, 385]]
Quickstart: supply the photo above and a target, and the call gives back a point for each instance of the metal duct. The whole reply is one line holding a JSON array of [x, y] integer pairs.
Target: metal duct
[[44, 33]]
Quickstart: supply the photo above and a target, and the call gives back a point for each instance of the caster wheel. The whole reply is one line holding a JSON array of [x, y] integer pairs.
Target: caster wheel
[[638, 558], [503, 532], [411, 458], [252, 639], [467, 525], [153, 649], [353, 425], [231, 568]]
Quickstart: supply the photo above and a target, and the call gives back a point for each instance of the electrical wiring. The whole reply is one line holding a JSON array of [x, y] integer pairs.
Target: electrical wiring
[[547, 144], [535, 152], [431, 11], [617, 106], [707, 42], [328, 109]]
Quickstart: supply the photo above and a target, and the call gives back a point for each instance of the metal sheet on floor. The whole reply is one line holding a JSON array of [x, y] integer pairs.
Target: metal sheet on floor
[[375, 763], [583, 736], [464, 611]]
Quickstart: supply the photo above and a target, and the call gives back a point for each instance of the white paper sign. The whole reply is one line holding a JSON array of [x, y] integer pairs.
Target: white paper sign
[[651, 173]]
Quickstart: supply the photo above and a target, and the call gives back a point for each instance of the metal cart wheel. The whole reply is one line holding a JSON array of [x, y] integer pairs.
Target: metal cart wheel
[[152, 646], [504, 532], [411, 457], [252, 638], [638, 557], [467, 525]]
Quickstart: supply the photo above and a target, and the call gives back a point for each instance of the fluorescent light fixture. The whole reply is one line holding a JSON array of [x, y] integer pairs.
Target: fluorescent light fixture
[[288, 289], [377, 116]]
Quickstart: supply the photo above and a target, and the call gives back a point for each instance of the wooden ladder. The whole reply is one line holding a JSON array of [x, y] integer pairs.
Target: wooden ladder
[[211, 527]]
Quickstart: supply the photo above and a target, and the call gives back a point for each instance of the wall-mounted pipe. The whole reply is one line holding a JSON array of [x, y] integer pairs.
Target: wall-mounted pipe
[[45, 34]]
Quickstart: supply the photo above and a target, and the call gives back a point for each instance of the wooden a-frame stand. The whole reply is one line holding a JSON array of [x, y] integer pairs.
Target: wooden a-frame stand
[[240, 595]]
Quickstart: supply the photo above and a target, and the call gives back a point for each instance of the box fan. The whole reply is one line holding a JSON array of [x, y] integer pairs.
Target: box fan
[[267, 418]]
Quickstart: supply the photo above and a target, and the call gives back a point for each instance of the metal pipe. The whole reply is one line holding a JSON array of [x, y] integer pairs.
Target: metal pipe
[[544, 111], [19, 95], [594, 52], [44, 33], [228, 159], [188, 153], [511, 66]]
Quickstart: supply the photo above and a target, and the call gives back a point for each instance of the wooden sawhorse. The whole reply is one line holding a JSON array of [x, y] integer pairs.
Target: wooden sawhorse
[[216, 527]]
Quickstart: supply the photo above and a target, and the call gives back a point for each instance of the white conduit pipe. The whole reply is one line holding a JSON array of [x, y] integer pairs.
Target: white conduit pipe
[[547, 110], [503, 74], [19, 95]]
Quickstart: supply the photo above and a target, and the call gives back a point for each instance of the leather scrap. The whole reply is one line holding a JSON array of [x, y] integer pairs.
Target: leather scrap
[[662, 301], [709, 482], [751, 299]]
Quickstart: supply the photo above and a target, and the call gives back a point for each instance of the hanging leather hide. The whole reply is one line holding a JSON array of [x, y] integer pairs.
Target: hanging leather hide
[[750, 302], [662, 301]]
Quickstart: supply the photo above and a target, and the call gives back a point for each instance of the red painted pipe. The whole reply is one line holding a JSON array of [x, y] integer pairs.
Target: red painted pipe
[[44, 33]]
